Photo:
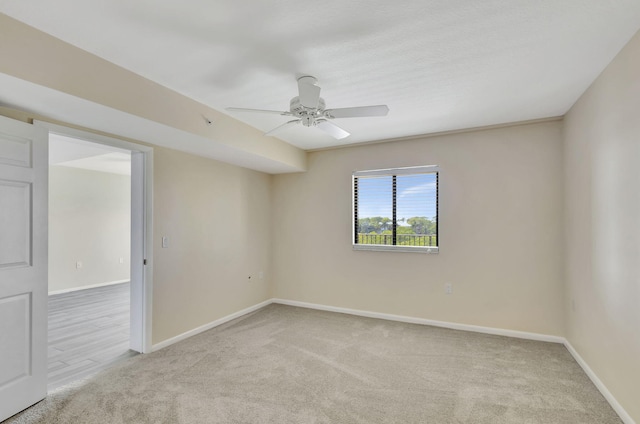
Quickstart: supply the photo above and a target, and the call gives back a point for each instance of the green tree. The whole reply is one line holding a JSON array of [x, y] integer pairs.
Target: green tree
[[422, 225], [403, 229], [376, 224]]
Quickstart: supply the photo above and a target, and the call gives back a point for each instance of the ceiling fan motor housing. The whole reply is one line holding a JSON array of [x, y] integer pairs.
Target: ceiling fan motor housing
[[306, 114], [309, 109]]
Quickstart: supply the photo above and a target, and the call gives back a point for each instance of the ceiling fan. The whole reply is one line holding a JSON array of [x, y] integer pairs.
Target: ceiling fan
[[309, 109]]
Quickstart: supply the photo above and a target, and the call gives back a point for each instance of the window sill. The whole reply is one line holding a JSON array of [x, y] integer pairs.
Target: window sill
[[387, 248]]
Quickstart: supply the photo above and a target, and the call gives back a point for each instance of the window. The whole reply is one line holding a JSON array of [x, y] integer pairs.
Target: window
[[396, 209]]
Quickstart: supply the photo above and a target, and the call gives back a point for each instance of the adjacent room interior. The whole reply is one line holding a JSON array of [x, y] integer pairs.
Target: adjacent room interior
[[273, 295], [89, 258]]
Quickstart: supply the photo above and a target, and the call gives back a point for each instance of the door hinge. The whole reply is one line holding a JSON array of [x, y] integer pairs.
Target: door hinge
[[144, 262]]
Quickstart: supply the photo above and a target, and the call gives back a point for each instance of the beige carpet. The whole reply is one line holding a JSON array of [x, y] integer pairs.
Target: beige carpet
[[290, 365]]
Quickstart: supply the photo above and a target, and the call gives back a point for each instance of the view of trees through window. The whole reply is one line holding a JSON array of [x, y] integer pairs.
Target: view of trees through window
[[413, 200]]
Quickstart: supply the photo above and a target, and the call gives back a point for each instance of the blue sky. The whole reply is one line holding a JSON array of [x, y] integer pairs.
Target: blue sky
[[415, 196]]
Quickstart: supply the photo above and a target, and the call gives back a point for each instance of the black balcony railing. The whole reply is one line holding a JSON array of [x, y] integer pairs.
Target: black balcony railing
[[428, 240]]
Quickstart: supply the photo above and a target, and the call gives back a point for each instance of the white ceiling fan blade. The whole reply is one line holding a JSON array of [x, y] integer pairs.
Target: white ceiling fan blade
[[282, 127], [241, 109], [309, 92], [332, 129], [357, 112]]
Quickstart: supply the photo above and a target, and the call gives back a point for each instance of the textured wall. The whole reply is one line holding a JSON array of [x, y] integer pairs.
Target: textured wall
[[89, 221], [602, 171], [500, 232], [217, 218]]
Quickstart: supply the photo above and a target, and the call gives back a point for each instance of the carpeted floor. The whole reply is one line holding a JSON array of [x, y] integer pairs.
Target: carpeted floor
[[290, 365]]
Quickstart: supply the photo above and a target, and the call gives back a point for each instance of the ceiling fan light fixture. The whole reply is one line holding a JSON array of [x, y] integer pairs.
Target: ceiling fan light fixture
[[308, 120]]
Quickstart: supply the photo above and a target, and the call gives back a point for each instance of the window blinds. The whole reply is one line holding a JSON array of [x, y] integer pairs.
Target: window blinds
[[396, 207]]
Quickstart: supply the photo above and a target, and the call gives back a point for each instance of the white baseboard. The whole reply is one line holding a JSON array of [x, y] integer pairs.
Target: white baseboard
[[423, 321], [624, 416], [209, 326], [92, 286]]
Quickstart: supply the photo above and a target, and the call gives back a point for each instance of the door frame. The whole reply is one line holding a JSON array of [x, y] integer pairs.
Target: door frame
[[141, 229]]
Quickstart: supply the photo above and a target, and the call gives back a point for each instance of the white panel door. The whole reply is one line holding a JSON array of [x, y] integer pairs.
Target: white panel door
[[23, 265]]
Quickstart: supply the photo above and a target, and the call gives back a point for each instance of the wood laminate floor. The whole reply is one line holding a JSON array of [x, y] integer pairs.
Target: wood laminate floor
[[88, 331]]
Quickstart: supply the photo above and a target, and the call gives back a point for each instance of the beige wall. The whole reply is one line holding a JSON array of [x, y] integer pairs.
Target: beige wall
[[602, 171], [89, 221], [217, 218], [500, 232]]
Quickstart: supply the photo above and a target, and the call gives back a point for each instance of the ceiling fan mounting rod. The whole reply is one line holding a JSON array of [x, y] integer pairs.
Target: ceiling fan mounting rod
[[308, 79]]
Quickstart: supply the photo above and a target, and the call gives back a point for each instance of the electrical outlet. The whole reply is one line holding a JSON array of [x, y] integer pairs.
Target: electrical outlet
[[78, 265], [448, 288]]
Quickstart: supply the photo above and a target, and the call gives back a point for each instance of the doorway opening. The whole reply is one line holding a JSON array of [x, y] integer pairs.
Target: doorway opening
[[89, 258], [99, 242]]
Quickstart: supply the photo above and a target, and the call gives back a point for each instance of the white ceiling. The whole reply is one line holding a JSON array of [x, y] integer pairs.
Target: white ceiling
[[75, 153], [438, 64]]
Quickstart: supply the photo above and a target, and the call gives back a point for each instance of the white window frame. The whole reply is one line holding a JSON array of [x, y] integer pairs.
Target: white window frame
[[410, 170]]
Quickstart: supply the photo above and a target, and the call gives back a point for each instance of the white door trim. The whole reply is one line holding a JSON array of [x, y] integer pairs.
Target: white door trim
[[141, 228]]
